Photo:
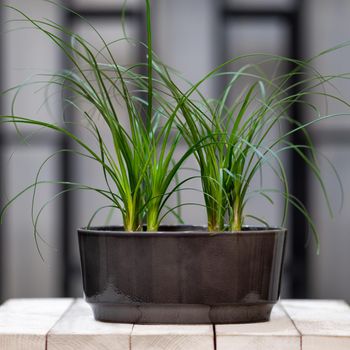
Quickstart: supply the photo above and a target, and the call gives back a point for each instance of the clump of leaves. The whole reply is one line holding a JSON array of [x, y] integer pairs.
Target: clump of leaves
[[140, 168], [238, 132]]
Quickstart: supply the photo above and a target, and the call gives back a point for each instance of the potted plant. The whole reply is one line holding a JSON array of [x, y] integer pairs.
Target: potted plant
[[146, 272]]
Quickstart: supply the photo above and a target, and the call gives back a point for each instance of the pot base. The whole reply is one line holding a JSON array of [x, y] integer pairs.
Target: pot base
[[182, 274], [181, 314]]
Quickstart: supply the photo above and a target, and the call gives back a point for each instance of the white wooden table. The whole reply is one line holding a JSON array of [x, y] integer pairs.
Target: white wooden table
[[67, 324]]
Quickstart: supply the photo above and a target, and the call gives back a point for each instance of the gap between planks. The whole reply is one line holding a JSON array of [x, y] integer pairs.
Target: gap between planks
[[300, 335], [279, 333], [77, 329], [53, 324], [323, 324]]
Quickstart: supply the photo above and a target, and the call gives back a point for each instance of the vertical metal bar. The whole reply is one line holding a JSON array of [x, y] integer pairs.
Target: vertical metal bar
[[66, 216], [67, 206], [142, 52], [299, 177], [2, 175], [221, 49]]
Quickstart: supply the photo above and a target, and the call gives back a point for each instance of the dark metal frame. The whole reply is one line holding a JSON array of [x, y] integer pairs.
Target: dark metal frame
[[298, 227], [1, 158]]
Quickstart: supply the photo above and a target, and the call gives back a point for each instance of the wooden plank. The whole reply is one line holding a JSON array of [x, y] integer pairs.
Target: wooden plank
[[172, 337], [24, 323], [323, 324], [278, 334], [77, 330]]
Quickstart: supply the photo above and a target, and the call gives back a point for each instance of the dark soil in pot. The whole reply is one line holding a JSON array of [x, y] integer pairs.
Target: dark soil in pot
[[182, 274]]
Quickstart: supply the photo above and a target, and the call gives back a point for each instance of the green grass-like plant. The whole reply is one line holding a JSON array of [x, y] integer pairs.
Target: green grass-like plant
[[232, 136], [241, 139]]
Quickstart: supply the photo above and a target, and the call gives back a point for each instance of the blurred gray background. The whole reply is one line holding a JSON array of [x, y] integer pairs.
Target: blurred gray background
[[193, 36]]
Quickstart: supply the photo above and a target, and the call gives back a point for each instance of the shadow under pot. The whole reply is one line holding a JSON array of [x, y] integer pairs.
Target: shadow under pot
[[181, 274]]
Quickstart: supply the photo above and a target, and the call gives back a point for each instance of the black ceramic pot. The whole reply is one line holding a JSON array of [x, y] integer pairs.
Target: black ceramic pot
[[181, 275]]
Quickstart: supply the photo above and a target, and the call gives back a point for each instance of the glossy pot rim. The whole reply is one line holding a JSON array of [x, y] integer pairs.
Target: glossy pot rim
[[179, 231]]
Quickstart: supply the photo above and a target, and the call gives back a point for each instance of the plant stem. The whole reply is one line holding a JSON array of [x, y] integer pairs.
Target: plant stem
[[236, 224], [215, 221], [152, 219], [132, 220]]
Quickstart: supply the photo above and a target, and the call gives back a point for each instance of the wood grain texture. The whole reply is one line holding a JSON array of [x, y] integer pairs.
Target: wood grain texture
[[24, 323], [172, 337], [278, 334], [323, 324], [77, 330], [62, 324]]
